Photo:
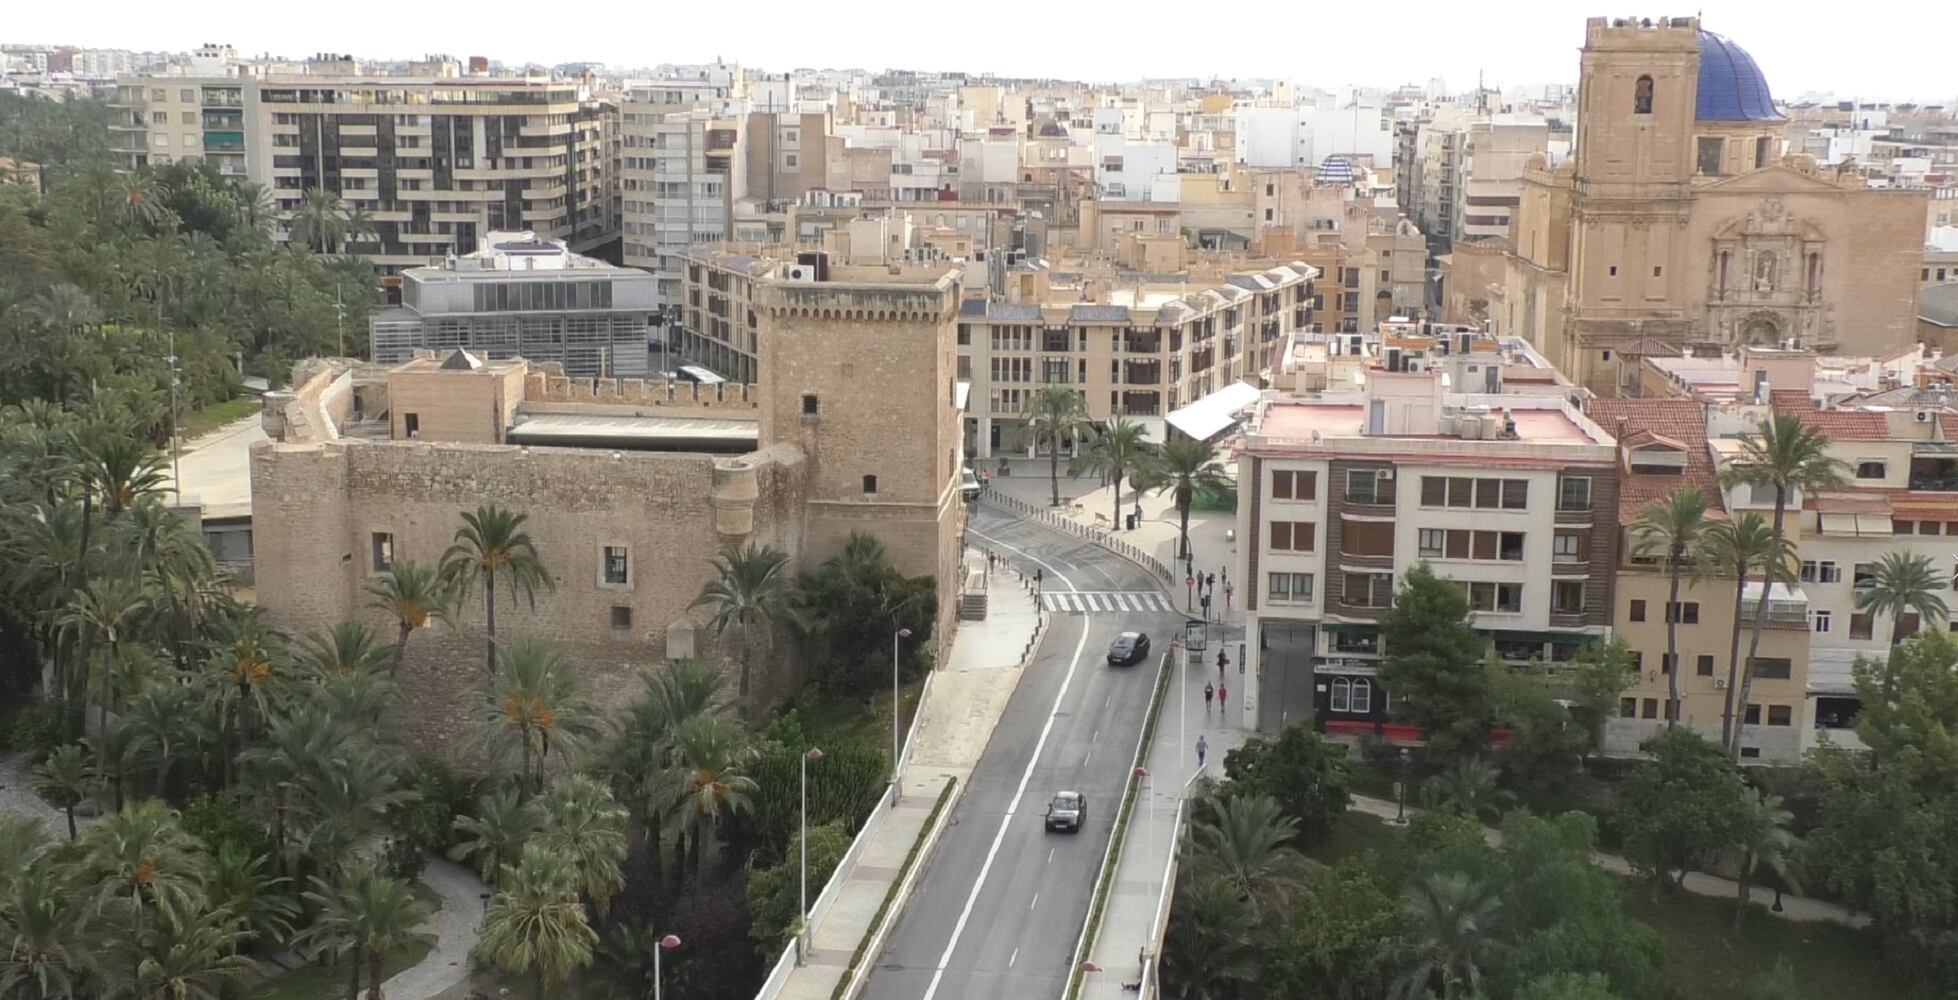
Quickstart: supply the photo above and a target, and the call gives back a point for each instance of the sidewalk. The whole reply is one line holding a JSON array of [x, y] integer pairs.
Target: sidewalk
[[1136, 909], [966, 699], [1799, 908]]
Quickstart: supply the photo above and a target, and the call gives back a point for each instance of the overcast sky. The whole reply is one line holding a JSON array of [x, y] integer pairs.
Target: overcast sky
[[1883, 51]]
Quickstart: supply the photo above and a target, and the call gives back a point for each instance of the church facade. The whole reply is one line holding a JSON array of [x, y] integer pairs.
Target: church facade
[[1682, 222]]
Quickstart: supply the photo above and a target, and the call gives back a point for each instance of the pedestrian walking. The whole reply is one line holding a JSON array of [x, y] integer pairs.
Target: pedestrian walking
[[1202, 748], [1224, 574], [1210, 582], [1209, 695], [1228, 589], [1223, 660], [1223, 698]]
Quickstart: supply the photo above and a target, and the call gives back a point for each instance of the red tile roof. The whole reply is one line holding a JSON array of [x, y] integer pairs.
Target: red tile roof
[[1681, 421], [1837, 425]]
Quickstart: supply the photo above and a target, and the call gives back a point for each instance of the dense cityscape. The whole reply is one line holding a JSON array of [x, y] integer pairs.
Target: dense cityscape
[[474, 529]]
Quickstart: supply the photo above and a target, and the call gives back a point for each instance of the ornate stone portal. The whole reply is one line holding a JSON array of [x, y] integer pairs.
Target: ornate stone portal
[[1764, 281]]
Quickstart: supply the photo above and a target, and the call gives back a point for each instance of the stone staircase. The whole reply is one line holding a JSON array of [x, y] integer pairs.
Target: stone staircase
[[972, 598]]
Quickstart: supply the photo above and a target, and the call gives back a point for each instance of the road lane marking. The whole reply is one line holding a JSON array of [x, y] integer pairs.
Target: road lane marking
[[1050, 855], [999, 836], [1010, 959], [1089, 757], [1036, 901], [1062, 577]]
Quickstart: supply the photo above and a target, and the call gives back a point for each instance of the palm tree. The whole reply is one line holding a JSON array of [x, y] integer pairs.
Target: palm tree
[[346, 648], [584, 823], [504, 821], [1212, 956], [141, 200], [1119, 449], [1451, 918], [1791, 458], [365, 918], [124, 471], [295, 745], [256, 209], [750, 591], [159, 718], [1473, 787], [46, 956], [1904, 583], [67, 310], [64, 780], [1056, 413], [320, 221], [343, 803], [140, 859], [105, 609], [190, 954], [1741, 547], [359, 223], [415, 594], [1765, 838], [493, 541], [536, 925], [1248, 846], [1669, 531], [645, 775], [532, 706], [711, 757], [1181, 468], [239, 883]]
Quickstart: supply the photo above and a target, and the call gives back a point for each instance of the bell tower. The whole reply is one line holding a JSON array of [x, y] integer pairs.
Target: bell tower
[[1637, 90]]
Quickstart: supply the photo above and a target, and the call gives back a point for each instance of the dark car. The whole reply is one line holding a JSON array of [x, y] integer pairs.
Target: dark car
[[1129, 647], [1067, 811]]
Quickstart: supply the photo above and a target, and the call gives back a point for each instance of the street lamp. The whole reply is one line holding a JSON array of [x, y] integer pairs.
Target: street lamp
[[897, 792], [1400, 793], [802, 932], [667, 943]]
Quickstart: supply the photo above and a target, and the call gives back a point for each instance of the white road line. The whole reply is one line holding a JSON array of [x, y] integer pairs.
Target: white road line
[[1058, 575], [1036, 902], [1050, 854], [1089, 757], [1010, 959], [1096, 738], [999, 836]]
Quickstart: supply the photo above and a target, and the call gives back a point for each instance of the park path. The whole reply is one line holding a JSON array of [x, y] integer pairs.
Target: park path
[[1799, 908]]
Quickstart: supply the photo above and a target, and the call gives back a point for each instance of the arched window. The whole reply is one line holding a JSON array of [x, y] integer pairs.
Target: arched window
[[1342, 694], [870, 485], [1642, 96], [1362, 697]]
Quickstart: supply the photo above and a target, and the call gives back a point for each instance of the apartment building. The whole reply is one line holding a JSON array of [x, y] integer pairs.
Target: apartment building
[[159, 120], [1134, 345], [522, 297], [682, 172], [1512, 495]]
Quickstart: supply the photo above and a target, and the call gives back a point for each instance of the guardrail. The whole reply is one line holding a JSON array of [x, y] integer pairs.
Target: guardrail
[[1112, 857], [873, 940], [1103, 537], [1158, 924]]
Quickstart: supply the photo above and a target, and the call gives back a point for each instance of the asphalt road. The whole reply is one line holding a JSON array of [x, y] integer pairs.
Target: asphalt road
[[1000, 905]]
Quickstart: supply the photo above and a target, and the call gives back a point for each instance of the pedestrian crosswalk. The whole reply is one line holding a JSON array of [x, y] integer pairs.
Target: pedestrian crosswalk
[[1093, 602]]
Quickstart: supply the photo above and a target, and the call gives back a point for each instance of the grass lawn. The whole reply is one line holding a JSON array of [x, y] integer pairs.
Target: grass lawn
[[320, 982], [217, 415], [1705, 957]]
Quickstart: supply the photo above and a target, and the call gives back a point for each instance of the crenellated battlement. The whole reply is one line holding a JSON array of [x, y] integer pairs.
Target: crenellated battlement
[[543, 388]]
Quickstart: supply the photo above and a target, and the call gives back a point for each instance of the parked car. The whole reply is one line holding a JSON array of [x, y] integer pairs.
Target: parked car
[[969, 486], [1129, 647], [1067, 811]]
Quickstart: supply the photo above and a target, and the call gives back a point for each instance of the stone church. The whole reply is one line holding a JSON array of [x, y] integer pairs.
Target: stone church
[[1681, 221]]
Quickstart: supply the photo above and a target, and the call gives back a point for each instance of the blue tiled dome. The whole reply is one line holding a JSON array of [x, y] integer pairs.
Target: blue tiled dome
[[1732, 88]]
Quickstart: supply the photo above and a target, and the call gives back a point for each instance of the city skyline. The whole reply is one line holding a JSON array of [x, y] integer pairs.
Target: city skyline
[[1536, 42]]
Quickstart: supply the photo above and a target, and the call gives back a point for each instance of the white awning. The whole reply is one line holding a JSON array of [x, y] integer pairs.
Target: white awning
[[1215, 413], [964, 394]]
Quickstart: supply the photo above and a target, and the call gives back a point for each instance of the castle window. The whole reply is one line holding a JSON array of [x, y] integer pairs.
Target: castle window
[[1642, 96], [810, 405], [621, 617], [870, 486], [383, 551]]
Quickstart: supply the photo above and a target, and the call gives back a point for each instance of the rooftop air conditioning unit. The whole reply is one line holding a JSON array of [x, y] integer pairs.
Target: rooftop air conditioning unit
[[1923, 416], [803, 273]]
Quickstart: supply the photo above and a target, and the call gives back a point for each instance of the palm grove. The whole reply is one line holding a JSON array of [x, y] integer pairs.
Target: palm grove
[[226, 790], [1449, 909]]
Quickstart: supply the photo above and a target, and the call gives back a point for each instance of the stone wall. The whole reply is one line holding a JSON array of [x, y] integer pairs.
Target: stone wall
[[317, 509]]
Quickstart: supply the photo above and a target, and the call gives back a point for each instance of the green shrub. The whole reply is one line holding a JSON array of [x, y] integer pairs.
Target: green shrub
[[38, 729], [220, 821], [428, 820]]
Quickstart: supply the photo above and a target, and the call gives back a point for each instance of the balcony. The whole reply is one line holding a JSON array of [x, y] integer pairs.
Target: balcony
[[1933, 473]]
